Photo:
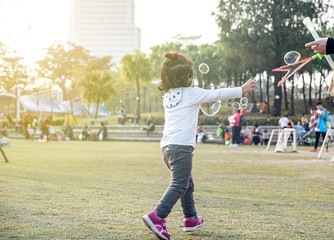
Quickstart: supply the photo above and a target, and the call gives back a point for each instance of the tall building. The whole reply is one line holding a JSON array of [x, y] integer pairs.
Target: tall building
[[105, 27]]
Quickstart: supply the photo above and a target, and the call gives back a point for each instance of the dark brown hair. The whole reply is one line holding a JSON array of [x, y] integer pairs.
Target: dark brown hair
[[175, 72]]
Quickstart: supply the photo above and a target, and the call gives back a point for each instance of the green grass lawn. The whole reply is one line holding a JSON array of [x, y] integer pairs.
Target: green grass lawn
[[94, 190]]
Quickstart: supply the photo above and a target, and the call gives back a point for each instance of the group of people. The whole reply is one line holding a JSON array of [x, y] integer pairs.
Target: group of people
[[246, 136], [121, 119], [317, 123]]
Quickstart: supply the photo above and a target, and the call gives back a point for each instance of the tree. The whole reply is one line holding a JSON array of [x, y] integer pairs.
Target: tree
[[136, 68], [14, 74], [63, 64], [267, 27], [97, 86]]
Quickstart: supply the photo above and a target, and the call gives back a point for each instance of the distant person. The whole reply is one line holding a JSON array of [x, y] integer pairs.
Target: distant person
[[265, 137], [244, 132], [136, 117], [150, 125], [236, 129], [256, 135], [264, 107], [312, 118], [305, 122], [85, 132], [4, 141], [220, 132], [283, 122], [299, 129], [103, 132], [320, 125], [243, 112], [323, 46], [68, 131], [291, 121], [121, 115], [31, 132], [27, 119], [46, 123]]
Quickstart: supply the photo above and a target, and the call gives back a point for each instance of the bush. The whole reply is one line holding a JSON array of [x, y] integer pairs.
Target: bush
[[4, 122], [57, 121]]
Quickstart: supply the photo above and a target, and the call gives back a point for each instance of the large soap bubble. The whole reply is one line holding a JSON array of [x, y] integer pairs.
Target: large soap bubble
[[210, 108], [291, 57]]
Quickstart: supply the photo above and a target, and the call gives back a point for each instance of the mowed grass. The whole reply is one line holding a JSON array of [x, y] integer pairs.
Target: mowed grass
[[100, 190]]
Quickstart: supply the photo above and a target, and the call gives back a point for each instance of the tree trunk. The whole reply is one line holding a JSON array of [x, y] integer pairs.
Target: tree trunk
[[261, 96], [292, 112], [310, 90], [138, 94], [322, 78], [278, 96], [268, 96], [304, 94], [235, 79], [97, 108], [144, 100], [286, 101], [50, 92]]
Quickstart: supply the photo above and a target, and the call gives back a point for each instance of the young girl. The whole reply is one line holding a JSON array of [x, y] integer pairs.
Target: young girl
[[181, 102]]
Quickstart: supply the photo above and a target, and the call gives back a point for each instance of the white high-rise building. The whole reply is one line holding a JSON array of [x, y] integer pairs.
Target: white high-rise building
[[105, 27]]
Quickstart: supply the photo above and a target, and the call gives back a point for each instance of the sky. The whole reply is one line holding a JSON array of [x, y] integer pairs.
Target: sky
[[28, 26]]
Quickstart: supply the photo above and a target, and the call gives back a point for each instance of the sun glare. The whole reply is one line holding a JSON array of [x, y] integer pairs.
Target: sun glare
[[29, 26]]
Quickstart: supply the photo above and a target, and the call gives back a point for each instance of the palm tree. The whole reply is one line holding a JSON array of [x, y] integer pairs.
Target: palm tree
[[96, 86], [136, 68]]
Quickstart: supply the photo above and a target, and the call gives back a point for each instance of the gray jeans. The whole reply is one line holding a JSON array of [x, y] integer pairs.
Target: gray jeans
[[178, 159]]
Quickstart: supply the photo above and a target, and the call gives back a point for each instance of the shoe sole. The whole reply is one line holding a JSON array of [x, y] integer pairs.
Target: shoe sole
[[191, 229], [147, 221]]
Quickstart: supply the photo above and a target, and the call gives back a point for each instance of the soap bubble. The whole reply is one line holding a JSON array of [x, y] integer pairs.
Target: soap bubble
[[244, 101], [291, 57], [210, 108], [236, 106], [203, 68]]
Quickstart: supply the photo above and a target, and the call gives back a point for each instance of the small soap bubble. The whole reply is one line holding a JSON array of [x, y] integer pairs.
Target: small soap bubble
[[291, 57], [203, 68], [244, 101], [236, 106]]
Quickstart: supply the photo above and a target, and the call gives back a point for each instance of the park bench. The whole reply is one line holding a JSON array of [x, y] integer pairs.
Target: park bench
[[135, 133]]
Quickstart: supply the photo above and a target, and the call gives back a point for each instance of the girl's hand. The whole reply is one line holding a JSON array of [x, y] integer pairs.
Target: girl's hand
[[249, 86]]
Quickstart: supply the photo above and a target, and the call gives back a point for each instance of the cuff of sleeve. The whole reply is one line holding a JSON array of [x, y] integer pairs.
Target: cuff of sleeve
[[330, 46]]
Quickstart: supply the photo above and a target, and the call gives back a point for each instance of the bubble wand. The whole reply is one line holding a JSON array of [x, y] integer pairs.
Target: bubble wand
[[294, 67]]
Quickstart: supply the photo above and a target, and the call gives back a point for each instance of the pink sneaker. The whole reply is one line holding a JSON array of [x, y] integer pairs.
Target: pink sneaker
[[157, 225], [192, 224]]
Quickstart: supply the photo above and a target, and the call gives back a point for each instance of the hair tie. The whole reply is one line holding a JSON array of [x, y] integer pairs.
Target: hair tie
[[176, 54]]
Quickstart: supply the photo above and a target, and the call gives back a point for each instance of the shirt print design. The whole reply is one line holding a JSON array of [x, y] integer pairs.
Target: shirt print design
[[172, 97]]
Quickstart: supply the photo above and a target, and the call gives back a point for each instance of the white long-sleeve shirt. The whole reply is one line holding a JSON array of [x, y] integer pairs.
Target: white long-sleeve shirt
[[181, 112]]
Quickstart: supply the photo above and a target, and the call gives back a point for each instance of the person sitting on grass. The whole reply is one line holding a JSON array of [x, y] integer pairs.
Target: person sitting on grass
[[103, 132], [256, 135], [150, 125], [4, 141]]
